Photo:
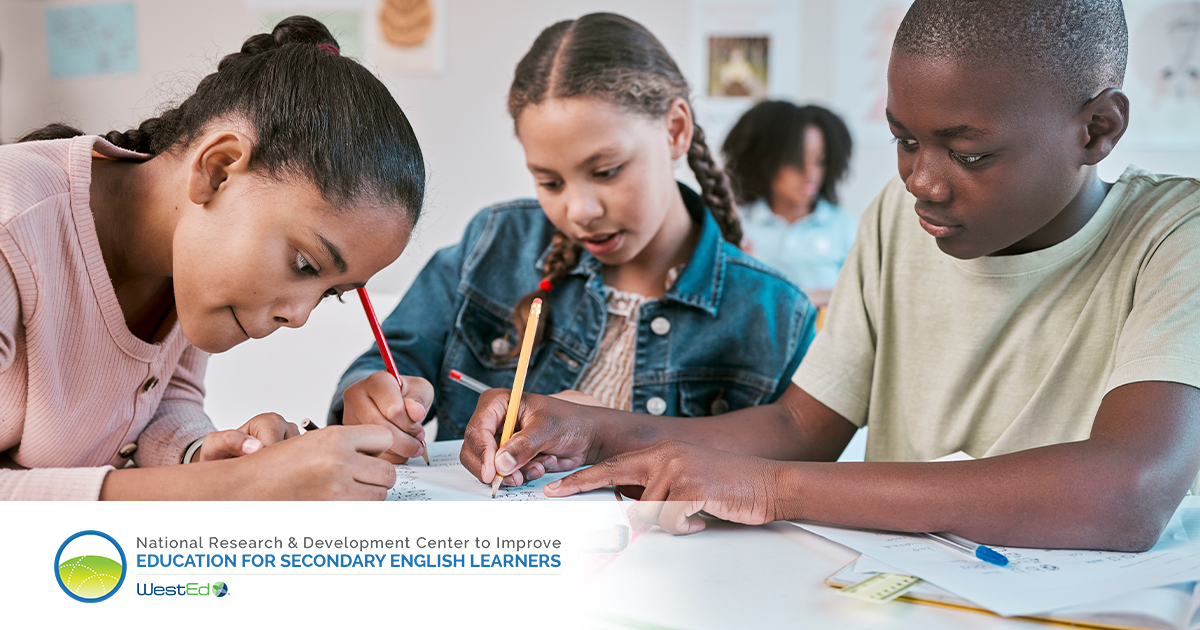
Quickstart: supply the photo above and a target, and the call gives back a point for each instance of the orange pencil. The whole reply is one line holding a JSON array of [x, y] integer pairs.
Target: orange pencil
[[384, 351], [514, 399]]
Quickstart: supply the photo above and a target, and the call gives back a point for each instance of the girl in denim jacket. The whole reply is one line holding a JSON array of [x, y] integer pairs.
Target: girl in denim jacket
[[651, 306]]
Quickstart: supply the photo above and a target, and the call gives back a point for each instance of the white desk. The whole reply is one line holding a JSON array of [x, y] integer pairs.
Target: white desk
[[733, 576]]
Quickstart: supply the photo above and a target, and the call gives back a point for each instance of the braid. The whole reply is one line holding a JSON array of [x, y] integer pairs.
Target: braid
[[149, 136], [563, 257], [53, 131], [714, 187]]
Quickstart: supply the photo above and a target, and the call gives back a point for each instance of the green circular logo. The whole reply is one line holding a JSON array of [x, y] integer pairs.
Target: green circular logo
[[90, 573]]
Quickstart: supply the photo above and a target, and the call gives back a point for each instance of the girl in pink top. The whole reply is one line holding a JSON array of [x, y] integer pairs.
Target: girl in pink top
[[290, 175]]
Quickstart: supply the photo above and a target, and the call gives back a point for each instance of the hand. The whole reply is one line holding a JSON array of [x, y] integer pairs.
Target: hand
[[261, 430], [680, 480], [579, 398], [379, 400], [333, 463], [552, 436]]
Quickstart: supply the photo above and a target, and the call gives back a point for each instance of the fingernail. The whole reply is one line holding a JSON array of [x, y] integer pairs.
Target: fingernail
[[550, 461], [554, 485], [420, 449], [505, 463], [251, 445]]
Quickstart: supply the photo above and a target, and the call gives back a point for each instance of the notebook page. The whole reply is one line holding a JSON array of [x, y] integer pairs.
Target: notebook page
[[445, 479], [1037, 580]]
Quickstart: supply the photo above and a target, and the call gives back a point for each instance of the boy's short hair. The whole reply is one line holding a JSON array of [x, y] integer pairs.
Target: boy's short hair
[[1079, 46]]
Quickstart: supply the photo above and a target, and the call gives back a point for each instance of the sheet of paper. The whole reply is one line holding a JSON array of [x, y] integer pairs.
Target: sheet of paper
[[1167, 607], [445, 479], [1037, 580]]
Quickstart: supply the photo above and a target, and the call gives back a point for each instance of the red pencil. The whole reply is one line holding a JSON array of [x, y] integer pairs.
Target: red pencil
[[384, 351]]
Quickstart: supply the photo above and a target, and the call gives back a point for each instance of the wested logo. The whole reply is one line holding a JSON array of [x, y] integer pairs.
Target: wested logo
[[91, 572], [217, 589]]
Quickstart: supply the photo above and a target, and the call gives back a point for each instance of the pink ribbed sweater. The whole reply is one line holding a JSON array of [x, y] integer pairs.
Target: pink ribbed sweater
[[76, 386]]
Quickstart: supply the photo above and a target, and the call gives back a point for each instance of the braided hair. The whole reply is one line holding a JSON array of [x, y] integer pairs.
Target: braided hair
[[312, 115], [608, 56]]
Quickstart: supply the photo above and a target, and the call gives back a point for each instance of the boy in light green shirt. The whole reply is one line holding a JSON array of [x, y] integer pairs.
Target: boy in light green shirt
[[1000, 299], [1035, 340]]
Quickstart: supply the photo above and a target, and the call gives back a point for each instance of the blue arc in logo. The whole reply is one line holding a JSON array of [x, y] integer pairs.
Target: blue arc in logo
[[58, 567]]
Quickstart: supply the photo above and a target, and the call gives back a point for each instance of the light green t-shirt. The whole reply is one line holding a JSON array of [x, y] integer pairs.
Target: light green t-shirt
[[1006, 353]]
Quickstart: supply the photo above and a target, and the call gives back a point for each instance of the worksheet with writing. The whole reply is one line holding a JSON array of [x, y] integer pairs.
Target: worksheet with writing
[[1037, 580], [445, 479]]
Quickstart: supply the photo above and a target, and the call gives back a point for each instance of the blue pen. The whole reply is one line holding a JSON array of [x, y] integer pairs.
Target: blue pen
[[975, 550]]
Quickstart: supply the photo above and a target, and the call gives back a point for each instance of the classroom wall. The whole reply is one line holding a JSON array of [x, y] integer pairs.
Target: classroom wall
[[472, 156], [459, 116]]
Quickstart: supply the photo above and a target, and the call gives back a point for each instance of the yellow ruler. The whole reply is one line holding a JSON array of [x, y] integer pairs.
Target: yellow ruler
[[882, 588]]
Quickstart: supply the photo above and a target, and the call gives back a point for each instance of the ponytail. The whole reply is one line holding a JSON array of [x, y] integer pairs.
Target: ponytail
[[311, 114]]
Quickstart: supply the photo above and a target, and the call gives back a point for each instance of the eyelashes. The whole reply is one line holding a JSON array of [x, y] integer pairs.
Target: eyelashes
[[304, 268], [908, 145], [601, 175]]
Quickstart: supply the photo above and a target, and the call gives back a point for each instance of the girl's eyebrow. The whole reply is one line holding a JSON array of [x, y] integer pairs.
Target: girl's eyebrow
[[333, 252], [602, 154]]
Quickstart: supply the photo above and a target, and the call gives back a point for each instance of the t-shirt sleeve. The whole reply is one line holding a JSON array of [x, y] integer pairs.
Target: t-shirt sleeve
[[180, 418], [839, 366], [1160, 340]]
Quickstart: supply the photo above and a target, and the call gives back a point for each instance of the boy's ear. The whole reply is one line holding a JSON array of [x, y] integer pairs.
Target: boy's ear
[[679, 128], [1107, 118], [217, 156]]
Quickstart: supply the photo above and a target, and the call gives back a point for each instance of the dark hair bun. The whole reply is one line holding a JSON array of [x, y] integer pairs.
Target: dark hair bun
[[297, 29]]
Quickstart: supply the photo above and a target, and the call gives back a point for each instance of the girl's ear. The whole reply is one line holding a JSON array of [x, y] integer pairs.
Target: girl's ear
[[217, 157], [679, 128]]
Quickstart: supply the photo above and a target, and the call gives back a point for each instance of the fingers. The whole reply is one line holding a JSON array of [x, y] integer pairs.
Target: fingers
[[270, 428], [534, 438], [628, 469], [374, 471], [226, 445], [478, 453], [418, 397], [378, 400], [370, 439], [681, 517]]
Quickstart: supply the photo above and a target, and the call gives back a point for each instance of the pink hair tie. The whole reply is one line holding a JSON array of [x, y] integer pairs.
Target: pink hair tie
[[545, 285], [329, 48]]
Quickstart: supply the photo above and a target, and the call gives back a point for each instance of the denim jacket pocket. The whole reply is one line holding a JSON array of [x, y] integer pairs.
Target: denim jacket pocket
[[720, 394], [487, 335]]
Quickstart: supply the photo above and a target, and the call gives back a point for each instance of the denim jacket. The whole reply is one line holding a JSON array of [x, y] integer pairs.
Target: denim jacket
[[727, 335]]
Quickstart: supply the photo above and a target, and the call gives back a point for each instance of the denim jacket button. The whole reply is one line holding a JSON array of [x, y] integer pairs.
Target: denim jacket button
[[660, 325], [501, 345], [656, 406]]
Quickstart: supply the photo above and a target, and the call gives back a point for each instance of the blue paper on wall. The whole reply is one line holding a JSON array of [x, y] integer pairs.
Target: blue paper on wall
[[91, 39]]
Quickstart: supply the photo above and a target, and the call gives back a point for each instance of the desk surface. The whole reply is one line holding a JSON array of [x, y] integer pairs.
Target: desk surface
[[734, 576]]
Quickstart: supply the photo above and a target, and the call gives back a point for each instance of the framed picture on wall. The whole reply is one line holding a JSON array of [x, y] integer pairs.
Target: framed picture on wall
[[741, 52], [738, 66]]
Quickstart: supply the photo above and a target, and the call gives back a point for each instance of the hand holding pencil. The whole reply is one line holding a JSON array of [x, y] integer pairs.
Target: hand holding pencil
[[389, 400]]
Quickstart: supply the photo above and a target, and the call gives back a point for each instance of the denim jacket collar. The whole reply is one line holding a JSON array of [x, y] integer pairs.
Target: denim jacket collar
[[700, 284]]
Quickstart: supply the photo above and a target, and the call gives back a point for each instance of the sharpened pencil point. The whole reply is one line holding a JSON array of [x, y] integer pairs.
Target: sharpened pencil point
[[495, 485]]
